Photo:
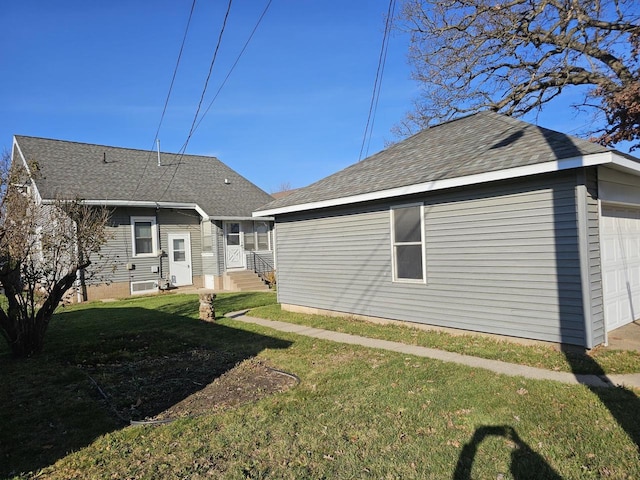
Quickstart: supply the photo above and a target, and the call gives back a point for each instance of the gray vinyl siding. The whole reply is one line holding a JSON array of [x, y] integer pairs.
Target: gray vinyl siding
[[117, 252], [500, 259], [181, 221]]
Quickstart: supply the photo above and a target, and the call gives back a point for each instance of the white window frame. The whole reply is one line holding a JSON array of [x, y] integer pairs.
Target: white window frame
[[154, 236], [254, 234], [393, 242]]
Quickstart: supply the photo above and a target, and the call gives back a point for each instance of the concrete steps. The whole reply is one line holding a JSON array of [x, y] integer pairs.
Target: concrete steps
[[244, 281]]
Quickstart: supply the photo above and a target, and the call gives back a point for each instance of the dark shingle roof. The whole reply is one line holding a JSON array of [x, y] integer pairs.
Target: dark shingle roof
[[70, 169], [480, 143]]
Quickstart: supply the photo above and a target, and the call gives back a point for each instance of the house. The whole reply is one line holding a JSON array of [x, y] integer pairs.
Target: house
[[485, 223], [177, 220]]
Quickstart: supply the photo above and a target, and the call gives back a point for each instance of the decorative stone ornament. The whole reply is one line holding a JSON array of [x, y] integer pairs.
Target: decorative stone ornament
[[207, 307]]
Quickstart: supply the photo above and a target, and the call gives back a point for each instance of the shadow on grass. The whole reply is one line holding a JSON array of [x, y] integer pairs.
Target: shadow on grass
[[103, 367], [622, 403], [525, 462]]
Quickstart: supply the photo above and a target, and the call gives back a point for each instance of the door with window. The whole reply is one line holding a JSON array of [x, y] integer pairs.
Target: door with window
[[234, 250], [180, 259]]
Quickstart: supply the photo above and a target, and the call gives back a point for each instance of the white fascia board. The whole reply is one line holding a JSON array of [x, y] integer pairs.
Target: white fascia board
[[144, 204], [231, 218], [625, 164], [517, 172], [36, 192]]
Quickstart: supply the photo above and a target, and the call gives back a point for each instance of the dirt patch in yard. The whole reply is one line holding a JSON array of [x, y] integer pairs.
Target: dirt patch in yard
[[184, 384], [247, 382]]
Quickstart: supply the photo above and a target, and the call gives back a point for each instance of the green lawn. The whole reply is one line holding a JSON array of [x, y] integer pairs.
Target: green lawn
[[356, 413]]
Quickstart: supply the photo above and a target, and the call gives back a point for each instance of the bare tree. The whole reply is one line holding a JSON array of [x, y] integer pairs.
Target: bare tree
[[284, 186], [42, 249], [514, 56]]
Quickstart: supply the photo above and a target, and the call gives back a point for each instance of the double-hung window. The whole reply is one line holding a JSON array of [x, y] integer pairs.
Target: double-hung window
[[144, 233], [407, 243]]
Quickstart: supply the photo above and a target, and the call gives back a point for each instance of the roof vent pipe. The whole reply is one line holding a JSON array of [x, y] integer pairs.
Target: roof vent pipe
[[104, 157], [158, 141]]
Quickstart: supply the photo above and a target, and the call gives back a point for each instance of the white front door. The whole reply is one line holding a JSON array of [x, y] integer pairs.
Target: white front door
[[620, 259], [180, 259], [234, 249]]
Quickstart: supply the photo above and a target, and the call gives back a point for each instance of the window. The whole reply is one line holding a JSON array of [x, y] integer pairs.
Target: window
[[407, 236], [207, 237], [262, 235], [256, 236], [179, 250], [249, 236], [144, 233]]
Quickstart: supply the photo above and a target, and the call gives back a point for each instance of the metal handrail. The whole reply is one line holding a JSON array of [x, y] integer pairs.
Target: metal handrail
[[262, 267]]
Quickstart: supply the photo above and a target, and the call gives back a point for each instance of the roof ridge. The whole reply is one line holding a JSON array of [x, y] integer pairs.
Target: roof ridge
[[113, 147]]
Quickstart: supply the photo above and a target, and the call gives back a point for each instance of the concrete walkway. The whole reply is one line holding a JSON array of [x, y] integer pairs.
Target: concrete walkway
[[631, 380]]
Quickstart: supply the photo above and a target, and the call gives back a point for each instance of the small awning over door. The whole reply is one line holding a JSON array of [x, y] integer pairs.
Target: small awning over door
[[620, 257]]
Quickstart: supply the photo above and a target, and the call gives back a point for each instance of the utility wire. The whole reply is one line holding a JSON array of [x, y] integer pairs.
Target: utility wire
[[206, 83], [368, 131], [175, 71], [204, 91], [246, 44], [166, 102]]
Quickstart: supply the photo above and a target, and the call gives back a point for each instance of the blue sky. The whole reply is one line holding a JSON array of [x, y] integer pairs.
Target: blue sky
[[293, 111]]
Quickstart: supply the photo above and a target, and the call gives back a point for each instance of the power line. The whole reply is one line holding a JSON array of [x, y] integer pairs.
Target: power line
[[235, 63], [206, 83], [246, 44], [175, 71], [166, 102], [204, 91], [378, 81]]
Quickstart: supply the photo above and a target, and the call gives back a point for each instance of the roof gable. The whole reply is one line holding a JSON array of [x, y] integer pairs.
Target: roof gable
[[471, 147], [103, 173]]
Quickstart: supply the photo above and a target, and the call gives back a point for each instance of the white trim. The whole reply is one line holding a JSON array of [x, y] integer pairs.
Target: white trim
[[187, 251], [235, 219], [144, 204], [154, 236], [555, 166], [37, 195]]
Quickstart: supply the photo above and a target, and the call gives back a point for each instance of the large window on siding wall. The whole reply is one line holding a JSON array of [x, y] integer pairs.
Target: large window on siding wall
[[144, 233], [407, 243], [256, 235]]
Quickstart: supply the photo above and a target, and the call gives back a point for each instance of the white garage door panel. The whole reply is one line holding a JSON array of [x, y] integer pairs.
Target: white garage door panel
[[620, 254]]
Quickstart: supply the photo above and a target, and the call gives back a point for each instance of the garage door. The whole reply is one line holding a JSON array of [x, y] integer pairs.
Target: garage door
[[620, 251]]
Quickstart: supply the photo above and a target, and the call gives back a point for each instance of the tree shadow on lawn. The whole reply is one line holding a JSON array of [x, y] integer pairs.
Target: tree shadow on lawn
[[103, 367], [623, 404]]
